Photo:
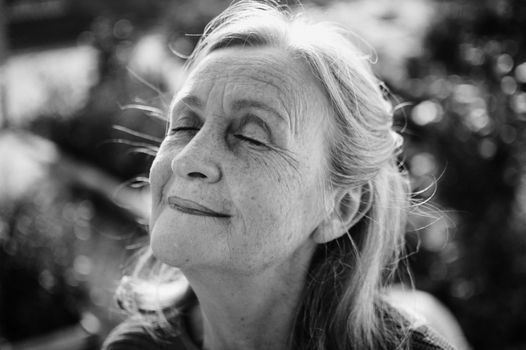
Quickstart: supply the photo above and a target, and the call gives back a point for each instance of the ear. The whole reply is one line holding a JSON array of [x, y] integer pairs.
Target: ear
[[349, 207]]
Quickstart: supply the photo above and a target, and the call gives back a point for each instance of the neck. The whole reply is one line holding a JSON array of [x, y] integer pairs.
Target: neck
[[250, 312]]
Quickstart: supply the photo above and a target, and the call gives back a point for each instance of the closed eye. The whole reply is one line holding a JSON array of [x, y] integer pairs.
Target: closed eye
[[180, 129], [188, 122], [250, 140]]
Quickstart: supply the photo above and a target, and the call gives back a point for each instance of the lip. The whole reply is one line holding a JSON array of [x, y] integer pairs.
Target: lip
[[190, 207]]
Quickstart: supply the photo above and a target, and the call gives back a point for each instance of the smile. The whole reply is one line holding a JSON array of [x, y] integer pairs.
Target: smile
[[189, 207]]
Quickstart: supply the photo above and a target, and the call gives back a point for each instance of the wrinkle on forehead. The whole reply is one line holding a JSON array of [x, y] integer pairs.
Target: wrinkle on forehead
[[273, 67]]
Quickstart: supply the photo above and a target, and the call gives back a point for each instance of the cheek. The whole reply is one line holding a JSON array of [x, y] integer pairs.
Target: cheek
[[160, 174], [273, 228], [270, 206], [265, 189]]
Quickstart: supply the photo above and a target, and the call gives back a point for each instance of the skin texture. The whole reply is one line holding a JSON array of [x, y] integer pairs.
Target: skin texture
[[247, 139]]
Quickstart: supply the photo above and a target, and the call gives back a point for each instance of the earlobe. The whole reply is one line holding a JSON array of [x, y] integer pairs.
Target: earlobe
[[350, 205]]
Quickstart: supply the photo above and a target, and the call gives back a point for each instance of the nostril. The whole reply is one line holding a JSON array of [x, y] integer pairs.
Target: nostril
[[196, 174]]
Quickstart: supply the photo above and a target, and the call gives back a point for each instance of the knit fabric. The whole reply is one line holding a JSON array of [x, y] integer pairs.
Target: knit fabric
[[423, 338], [133, 335]]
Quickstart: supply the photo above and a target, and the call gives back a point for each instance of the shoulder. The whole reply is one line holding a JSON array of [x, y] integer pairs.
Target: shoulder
[[424, 338], [411, 331], [133, 334]]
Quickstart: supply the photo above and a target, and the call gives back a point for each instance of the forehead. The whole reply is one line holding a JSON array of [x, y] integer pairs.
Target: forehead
[[270, 66], [268, 74]]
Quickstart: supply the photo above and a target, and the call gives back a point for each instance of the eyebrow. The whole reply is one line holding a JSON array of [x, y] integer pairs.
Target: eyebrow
[[194, 101], [191, 100], [248, 103]]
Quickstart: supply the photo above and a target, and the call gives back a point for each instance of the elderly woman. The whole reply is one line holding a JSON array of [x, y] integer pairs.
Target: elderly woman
[[278, 208]]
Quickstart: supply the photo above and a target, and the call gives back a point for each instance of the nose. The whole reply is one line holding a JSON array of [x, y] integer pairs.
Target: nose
[[198, 160]]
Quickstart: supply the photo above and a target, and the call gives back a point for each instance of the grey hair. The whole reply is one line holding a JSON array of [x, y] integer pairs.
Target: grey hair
[[342, 305]]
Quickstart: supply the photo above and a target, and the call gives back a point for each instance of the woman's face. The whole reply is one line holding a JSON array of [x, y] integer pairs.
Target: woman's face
[[238, 181]]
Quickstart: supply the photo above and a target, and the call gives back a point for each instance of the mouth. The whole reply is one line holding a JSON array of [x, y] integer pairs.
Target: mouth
[[190, 207]]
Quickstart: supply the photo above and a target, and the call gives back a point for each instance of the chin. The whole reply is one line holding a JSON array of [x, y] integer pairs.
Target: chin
[[169, 245], [184, 247], [167, 253]]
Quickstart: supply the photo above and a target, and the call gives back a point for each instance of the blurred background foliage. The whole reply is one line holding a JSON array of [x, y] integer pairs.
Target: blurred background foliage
[[73, 155]]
